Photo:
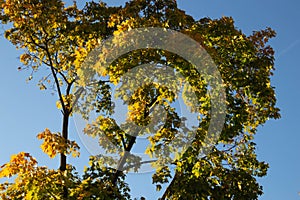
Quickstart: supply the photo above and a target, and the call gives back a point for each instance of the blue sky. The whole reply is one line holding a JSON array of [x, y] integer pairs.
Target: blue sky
[[26, 111]]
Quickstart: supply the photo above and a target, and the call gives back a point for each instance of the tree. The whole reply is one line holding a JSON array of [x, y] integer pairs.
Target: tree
[[62, 40]]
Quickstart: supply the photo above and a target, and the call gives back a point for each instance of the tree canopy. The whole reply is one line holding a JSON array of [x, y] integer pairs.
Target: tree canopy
[[63, 42]]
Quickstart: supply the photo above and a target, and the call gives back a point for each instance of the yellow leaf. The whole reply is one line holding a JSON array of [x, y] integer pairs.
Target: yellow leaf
[[239, 185], [58, 105]]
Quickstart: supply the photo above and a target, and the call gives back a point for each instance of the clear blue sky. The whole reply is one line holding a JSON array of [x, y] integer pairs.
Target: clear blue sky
[[26, 111]]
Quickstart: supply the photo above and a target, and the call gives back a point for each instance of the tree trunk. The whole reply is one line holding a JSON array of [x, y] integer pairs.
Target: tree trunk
[[63, 157], [65, 126]]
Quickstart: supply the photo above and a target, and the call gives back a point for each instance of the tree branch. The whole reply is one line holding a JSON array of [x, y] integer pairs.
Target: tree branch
[[167, 191], [141, 163], [56, 80], [130, 145]]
